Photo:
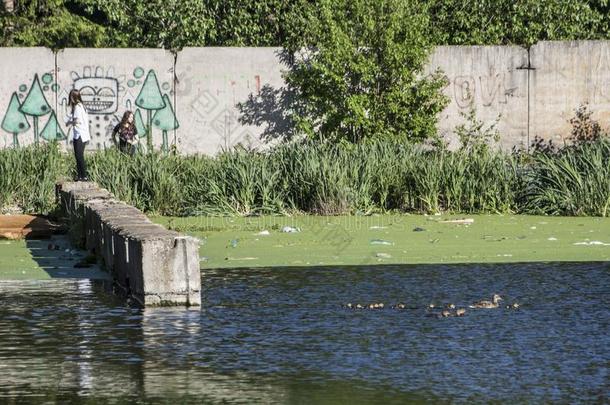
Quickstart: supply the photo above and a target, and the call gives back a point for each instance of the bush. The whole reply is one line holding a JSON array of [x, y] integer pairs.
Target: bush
[[357, 72]]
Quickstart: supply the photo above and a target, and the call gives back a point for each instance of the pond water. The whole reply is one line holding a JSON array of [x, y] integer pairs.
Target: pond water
[[284, 336]]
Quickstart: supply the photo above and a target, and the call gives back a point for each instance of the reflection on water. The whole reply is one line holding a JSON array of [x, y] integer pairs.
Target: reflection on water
[[282, 336]]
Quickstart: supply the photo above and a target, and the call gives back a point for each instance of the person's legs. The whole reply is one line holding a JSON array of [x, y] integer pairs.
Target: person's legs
[[79, 154]]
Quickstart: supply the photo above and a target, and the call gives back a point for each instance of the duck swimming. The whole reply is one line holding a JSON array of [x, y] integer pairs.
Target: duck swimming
[[487, 304]]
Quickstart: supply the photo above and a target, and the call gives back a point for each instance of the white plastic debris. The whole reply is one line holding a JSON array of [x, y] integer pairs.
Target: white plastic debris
[[465, 221], [380, 242], [264, 233], [383, 255], [592, 243], [290, 229], [552, 238]]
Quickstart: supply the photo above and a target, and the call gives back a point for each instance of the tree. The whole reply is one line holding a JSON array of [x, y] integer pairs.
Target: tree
[[165, 120], [35, 104], [52, 131], [140, 127], [14, 121], [524, 22], [358, 71], [150, 99]]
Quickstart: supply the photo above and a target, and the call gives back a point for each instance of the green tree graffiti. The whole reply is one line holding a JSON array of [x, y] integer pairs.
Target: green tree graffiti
[[52, 131], [35, 104], [14, 121], [140, 127], [165, 120], [150, 99]]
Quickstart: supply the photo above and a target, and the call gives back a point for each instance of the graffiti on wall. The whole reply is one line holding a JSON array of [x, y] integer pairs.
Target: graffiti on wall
[[106, 97], [213, 102], [489, 89], [30, 104]]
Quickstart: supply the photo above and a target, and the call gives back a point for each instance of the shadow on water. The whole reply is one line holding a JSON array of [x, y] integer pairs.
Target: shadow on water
[[56, 256], [284, 336]]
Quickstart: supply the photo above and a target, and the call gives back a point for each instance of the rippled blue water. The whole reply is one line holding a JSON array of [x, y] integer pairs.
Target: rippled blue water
[[283, 336]]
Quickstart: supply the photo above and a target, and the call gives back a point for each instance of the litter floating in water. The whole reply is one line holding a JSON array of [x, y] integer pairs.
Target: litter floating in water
[[265, 232], [532, 227], [434, 240], [380, 242], [552, 238], [378, 227], [290, 229], [241, 258], [465, 221], [383, 255], [593, 242], [234, 242]]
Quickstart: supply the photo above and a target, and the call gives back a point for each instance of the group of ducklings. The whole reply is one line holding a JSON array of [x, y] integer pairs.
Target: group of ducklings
[[448, 310]]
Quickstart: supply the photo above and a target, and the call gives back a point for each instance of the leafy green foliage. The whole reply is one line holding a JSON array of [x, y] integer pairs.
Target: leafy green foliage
[[357, 71], [170, 24], [174, 24], [523, 22]]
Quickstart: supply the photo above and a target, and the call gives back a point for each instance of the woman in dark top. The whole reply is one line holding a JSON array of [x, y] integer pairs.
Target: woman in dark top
[[127, 133]]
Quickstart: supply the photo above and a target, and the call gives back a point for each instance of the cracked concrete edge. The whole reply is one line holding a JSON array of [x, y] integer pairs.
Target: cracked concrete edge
[[156, 266]]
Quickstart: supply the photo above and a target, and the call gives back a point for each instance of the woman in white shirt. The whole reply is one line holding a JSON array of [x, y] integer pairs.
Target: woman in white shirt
[[78, 120]]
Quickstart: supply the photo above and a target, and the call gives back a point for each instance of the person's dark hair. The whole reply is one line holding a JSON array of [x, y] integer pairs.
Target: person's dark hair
[[74, 98], [124, 122]]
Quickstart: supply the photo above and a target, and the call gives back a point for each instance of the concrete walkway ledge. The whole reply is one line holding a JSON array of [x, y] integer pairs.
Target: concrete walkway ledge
[[155, 266]]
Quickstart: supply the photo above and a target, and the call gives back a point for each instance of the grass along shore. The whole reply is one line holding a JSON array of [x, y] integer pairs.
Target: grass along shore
[[315, 178]]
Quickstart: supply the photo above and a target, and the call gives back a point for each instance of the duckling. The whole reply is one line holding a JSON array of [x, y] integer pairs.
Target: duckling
[[487, 304], [445, 314], [400, 305], [450, 306], [514, 305], [359, 306], [431, 306], [349, 305], [460, 312]]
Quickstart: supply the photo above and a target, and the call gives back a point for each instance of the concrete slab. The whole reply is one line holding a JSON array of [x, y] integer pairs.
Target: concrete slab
[[152, 264]]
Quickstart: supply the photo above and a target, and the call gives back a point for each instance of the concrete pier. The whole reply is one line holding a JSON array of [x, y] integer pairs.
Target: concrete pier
[[154, 265]]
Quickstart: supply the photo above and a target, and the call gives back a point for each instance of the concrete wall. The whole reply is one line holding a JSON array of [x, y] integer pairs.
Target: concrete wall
[[153, 265], [211, 83], [563, 76], [489, 79], [205, 99], [27, 76]]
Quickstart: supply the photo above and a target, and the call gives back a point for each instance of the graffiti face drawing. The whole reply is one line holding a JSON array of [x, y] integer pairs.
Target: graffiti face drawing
[[100, 94]]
